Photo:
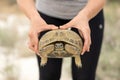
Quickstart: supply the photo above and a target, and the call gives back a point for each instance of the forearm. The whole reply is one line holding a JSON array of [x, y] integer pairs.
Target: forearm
[[92, 8], [28, 7]]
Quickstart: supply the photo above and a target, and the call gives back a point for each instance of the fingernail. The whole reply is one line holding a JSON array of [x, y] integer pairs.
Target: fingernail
[[82, 53], [88, 50], [61, 26]]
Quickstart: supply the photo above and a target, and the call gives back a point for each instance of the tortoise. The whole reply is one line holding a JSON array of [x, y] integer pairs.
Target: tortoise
[[60, 44]]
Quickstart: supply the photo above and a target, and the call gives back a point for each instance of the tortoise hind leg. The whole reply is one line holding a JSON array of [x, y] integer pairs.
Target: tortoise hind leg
[[78, 61], [43, 61]]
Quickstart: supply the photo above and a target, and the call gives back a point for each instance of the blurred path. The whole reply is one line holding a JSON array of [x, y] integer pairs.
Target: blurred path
[[29, 71]]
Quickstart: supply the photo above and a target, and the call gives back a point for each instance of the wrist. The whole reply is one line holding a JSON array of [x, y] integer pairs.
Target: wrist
[[37, 20], [34, 16], [85, 13], [82, 16]]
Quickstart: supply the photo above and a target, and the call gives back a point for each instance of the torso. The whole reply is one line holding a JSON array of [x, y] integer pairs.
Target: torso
[[64, 9]]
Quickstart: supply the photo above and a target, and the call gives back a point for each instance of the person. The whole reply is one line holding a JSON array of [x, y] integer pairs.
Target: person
[[82, 16]]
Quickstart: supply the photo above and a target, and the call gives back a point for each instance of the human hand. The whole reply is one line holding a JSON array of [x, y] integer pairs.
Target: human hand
[[37, 25], [81, 23]]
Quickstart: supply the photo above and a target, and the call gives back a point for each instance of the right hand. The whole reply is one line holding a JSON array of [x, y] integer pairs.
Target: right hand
[[37, 25]]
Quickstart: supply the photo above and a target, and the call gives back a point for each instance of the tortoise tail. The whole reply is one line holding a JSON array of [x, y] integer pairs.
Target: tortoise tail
[[78, 61]]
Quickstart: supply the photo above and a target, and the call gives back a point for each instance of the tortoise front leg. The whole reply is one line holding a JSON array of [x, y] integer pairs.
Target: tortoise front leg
[[43, 61], [44, 53], [75, 52], [78, 61]]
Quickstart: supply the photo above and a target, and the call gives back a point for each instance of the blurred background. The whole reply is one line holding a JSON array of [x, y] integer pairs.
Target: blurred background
[[17, 62]]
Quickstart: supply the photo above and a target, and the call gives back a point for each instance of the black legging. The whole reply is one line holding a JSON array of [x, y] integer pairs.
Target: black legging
[[52, 70]]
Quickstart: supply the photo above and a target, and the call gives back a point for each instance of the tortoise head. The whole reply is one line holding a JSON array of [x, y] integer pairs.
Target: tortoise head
[[59, 46]]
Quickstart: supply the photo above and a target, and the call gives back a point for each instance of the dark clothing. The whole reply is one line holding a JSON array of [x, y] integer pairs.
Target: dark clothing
[[52, 70]]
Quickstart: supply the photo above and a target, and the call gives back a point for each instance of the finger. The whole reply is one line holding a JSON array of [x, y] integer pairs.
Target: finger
[[53, 27], [89, 39], [37, 50], [39, 54], [50, 27], [33, 44], [81, 34], [31, 47], [68, 25], [89, 44], [84, 47], [32, 34], [86, 42], [36, 47]]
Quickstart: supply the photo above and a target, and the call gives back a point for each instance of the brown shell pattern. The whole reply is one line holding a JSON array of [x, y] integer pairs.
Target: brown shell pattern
[[59, 44]]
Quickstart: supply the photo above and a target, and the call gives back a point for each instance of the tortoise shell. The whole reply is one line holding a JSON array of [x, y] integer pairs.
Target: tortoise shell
[[60, 44]]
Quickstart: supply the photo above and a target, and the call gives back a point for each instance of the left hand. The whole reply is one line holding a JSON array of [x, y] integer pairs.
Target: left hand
[[81, 23]]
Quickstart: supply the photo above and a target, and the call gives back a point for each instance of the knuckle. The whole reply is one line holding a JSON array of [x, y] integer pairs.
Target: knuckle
[[31, 47]]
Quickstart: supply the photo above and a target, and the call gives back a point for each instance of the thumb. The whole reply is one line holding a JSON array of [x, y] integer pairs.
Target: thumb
[[53, 27], [36, 45], [67, 25], [49, 27]]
